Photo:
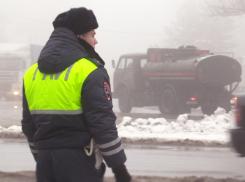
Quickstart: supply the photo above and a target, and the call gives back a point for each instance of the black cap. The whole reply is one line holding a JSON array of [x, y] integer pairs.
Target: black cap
[[78, 20]]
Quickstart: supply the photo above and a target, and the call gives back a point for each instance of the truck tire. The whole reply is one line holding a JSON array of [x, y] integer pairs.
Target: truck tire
[[183, 107], [124, 101], [226, 104], [208, 109], [167, 102]]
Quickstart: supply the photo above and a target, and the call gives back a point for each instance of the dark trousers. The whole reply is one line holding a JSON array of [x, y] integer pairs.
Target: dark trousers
[[67, 165]]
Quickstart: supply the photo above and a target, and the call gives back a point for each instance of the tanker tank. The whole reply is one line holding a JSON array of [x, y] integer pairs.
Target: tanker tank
[[209, 69]]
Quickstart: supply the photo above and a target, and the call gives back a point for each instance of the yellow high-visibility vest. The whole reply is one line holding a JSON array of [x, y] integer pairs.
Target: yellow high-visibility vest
[[58, 93]]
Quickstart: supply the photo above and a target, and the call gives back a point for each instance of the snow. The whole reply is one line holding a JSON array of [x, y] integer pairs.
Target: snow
[[212, 129], [14, 129]]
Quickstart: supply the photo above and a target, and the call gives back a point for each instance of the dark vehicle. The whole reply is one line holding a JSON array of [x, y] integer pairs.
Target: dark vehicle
[[238, 134], [176, 80], [241, 88]]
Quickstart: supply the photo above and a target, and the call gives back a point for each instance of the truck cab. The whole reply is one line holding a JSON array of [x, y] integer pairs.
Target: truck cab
[[15, 59], [11, 69], [128, 79]]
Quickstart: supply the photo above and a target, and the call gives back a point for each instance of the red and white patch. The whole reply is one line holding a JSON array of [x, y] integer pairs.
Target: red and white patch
[[107, 90]]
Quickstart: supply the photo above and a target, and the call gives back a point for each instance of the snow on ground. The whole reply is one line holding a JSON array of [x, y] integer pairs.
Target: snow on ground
[[212, 129], [11, 132]]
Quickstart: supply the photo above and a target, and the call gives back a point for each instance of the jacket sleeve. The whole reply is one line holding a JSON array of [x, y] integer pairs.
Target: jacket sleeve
[[28, 126], [97, 108]]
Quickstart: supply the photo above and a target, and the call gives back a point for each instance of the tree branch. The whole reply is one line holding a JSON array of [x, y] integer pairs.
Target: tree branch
[[226, 7]]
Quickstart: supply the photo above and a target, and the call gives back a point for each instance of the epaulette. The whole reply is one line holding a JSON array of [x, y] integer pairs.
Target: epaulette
[[95, 61]]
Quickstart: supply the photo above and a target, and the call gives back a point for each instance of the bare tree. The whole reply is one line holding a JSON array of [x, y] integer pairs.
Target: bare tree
[[192, 27], [226, 7]]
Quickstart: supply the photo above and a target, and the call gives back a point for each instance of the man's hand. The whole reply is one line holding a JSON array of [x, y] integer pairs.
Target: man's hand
[[121, 174]]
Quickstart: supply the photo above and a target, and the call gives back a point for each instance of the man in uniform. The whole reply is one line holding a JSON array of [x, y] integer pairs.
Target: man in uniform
[[67, 105]]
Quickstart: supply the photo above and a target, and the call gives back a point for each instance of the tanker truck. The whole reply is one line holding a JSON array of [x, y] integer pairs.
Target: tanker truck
[[15, 59], [176, 80]]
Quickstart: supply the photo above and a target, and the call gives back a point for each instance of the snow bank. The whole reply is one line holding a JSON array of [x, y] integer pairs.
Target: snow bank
[[212, 129], [11, 132]]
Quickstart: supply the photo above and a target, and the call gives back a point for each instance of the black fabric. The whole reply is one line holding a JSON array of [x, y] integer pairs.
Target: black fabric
[[78, 20], [35, 156], [90, 50], [64, 49], [118, 168], [121, 173], [27, 124], [61, 131], [61, 51], [98, 112], [63, 165]]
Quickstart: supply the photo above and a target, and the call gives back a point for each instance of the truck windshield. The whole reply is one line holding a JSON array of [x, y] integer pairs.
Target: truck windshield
[[10, 64]]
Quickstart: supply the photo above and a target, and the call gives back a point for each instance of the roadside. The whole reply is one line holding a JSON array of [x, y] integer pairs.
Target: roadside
[[136, 142], [29, 176], [19, 136]]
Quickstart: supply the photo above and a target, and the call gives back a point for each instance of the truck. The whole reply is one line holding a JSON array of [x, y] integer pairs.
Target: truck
[[176, 80], [15, 59], [241, 87]]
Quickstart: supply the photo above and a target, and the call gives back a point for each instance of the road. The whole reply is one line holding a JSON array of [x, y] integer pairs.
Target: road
[[167, 161], [144, 160], [11, 113]]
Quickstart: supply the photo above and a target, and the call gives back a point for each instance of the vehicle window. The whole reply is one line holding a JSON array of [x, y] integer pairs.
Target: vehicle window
[[121, 63], [143, 62], [129, 63]]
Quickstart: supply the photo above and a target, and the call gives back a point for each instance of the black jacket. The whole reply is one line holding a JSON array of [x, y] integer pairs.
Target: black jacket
[[48, 131]]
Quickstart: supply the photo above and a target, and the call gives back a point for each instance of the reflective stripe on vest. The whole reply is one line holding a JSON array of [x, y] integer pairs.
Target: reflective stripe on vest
[[74, 112], [58, 93]]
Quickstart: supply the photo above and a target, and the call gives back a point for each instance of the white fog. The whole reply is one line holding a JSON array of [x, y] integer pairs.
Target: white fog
[[125, 26], [178, 121]]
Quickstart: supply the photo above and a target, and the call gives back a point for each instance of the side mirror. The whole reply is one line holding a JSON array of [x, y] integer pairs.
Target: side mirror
[[113, 63]]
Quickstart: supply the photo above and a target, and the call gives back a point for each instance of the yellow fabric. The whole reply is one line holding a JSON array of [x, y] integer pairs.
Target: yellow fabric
[[57, 94]]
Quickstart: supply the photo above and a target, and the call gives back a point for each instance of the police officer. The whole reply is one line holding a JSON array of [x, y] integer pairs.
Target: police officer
[[67, 104]]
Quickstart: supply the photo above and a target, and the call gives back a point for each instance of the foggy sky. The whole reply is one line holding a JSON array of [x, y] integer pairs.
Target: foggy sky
[[125, 26]]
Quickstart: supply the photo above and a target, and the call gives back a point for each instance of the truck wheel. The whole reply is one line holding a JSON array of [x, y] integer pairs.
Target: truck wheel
[[225, 105], [208, 109], [124, 101], [183, 108], [167, 104]]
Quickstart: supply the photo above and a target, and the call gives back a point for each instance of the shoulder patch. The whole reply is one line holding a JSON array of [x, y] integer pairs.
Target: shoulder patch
[[107, 90]]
